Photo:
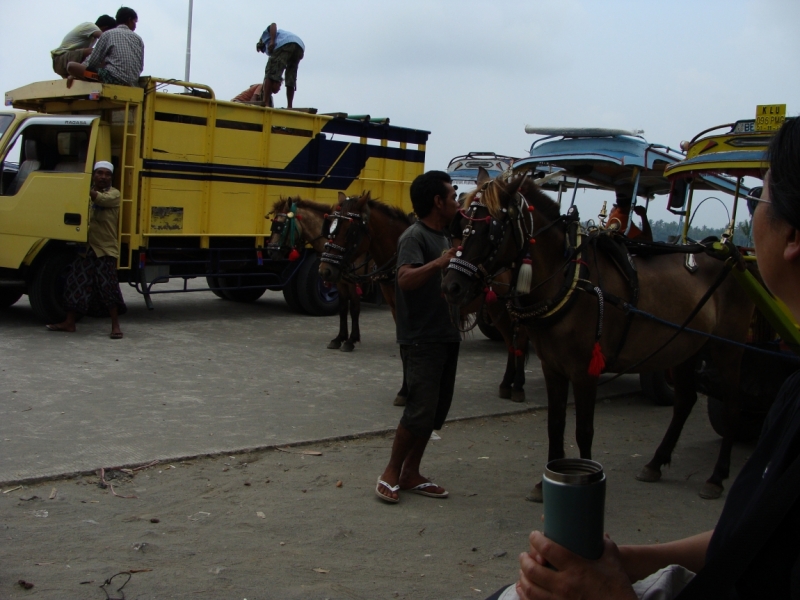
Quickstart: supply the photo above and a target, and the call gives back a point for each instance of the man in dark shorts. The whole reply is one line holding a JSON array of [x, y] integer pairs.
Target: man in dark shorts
[[77, 44], [427, 334], [118, 57], [285, 51]]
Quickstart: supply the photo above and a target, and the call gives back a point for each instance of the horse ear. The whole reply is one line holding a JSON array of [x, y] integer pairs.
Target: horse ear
[[515, 184], [342, 197], [483, 177]]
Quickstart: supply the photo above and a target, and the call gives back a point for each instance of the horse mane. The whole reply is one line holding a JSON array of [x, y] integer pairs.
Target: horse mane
[[392, 212], [492, 195], [283, 204]]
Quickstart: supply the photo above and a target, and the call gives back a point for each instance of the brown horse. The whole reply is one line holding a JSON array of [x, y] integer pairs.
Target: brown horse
[[298, 222], [570, 312], [362, 225]]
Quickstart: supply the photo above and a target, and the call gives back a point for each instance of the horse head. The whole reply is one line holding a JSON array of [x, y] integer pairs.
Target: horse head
[[347, 231], [286, 239], [498, 221]]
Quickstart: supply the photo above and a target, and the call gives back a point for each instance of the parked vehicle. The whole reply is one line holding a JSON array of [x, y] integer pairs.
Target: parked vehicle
[[197, 177]]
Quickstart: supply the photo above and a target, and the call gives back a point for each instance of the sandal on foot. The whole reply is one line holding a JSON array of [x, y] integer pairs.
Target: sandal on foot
[[392, 488], [422, 487], [57, 327], [116, 335]]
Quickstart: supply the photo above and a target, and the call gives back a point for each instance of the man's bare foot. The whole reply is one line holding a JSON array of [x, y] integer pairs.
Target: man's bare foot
[[66, 327], [70, 79], [387, 488]]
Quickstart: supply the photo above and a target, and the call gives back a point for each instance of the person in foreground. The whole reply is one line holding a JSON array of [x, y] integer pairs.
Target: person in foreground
[[428, 338], [92, 286], [753, 550]]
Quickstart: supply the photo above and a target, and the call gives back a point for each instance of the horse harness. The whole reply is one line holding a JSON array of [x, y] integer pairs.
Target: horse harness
[[358, 228]]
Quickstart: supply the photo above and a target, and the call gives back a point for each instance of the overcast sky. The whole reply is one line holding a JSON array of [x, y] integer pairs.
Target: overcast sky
[[473, 73]]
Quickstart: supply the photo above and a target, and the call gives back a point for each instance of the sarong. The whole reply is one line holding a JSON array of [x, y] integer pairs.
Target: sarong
[[92, 286]]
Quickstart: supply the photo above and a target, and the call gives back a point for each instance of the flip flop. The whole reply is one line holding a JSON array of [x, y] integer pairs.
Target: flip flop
[[116, 336], [57, 327], [391, 488], [420, 489]]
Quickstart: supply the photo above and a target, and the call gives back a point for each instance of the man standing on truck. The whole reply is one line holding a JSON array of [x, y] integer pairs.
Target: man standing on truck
[[92, 284], [118, 57], [77, 44], [429, 340], [285, 51]]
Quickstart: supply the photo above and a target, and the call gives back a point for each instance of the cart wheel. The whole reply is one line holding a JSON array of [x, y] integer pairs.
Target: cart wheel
[[749, 423], [47, 287], [315, 297], [657, 385]]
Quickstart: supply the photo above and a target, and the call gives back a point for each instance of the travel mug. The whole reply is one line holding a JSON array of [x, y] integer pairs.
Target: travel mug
[[574, 491]]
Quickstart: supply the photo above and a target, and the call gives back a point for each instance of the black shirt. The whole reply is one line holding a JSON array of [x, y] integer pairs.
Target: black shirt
[[423, 315], [774, 571]]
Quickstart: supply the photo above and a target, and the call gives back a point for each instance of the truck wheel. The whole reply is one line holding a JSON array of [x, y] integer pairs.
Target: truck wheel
[[47, 287], [9, 296], [656, 386], [292, 295], [315, 298], [229, 292], [487, 327], [213, 282], [749, 423]]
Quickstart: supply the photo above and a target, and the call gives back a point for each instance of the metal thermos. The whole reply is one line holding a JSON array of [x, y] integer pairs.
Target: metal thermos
[[574, 491]]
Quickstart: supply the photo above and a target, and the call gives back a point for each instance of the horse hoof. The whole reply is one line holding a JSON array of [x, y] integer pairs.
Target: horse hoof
[[347, 347], [518, 396], [399, 400], [536, 494], [334, 345], [649, 475], [505, 393], [710, 491]]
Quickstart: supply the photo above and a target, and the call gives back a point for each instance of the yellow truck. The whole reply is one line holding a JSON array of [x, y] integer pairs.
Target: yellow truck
[[197, 178]]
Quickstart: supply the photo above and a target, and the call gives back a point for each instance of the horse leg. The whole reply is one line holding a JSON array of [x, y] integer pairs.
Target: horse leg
[[355, 332], [508, 376], [585, 390], [520, 358], [557, 392], [685, 398], [336, 342]]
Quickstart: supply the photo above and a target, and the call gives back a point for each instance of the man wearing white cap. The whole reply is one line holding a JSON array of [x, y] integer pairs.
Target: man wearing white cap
[[92, 286]]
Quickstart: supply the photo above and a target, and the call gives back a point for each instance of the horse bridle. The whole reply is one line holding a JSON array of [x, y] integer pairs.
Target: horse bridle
[[357, 229], [289, 228], [515, 222]]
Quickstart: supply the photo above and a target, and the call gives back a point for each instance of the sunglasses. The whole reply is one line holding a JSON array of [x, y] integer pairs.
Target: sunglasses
[[753, 198]]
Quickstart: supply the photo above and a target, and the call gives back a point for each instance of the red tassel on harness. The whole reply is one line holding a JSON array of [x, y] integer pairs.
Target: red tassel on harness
[[491, 297], [598, 361], [359, 291], [518, 353], [294, 255]]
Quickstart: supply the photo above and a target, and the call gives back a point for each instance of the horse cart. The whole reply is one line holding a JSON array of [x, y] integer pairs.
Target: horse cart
[[595, 300]]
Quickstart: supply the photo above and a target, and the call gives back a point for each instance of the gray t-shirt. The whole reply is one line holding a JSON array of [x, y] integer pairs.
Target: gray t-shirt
[[423, 315]]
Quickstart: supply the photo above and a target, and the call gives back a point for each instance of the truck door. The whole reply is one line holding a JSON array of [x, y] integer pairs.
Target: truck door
[[45, 179]]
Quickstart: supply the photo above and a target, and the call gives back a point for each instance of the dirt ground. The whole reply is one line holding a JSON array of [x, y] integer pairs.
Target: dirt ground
[[279, 524]]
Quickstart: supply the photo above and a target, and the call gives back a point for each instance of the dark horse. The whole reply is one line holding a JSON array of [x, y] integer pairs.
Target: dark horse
[[298, 222], [573, 320], [362, 225]]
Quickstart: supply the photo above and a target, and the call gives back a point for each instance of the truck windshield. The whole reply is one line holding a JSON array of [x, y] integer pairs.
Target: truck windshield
[[5, 121]]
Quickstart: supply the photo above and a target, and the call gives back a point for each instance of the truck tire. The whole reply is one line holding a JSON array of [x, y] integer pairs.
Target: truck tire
[[315, 298], [9, 296], [487, 327], [46, 291], [749, 423], [292, 295], [230, 292], [656, 386], [213, 282]]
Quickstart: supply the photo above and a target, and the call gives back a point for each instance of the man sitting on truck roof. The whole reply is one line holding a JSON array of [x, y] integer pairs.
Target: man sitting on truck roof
[[285, 51], [255, 95], [77, 44], [118, 57]]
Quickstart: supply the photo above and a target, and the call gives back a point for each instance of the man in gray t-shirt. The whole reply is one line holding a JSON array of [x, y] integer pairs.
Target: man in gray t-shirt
[[427, 334]]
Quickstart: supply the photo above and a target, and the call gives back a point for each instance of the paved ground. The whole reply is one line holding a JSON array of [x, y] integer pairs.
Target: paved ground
[[199, 375]]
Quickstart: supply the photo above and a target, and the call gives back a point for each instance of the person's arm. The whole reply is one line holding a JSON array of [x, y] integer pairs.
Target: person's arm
[[641, 561], [640, 210], [273, 37], [107, 199], [98, 55], [411, 277]]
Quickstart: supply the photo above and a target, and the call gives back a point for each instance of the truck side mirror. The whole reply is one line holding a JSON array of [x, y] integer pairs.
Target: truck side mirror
[[677, 192]]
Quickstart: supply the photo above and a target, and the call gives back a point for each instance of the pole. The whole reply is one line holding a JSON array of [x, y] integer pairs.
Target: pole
[[189, 43]]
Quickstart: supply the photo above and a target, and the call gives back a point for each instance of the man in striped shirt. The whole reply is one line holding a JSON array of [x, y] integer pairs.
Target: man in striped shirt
[[118, 56]]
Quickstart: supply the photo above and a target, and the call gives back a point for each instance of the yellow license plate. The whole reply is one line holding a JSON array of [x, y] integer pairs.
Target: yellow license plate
[[770, 117]]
